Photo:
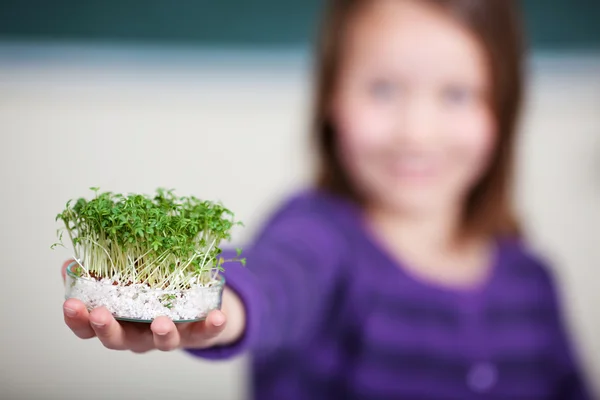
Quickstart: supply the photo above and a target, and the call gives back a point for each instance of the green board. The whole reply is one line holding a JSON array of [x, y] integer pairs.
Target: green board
[[552, 24]]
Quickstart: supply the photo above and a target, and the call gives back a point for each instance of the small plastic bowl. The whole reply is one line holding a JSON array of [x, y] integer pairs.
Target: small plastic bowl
[[140, 303]]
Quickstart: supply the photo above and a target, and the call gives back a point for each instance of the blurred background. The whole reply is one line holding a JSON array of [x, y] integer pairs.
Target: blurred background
[[212, 98]]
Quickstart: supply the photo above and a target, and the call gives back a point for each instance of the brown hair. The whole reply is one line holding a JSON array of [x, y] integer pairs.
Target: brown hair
[[496, 24]]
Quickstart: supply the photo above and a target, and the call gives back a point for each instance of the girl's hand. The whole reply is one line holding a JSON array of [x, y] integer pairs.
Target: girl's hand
[[220, 327]]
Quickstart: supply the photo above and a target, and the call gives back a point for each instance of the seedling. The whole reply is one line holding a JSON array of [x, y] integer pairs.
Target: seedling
[[143, 256]]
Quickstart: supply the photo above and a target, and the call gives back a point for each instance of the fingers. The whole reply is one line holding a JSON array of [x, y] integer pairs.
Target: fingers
[[109, 331], [214, 324], [203, 334], [165, 334], [77, 318], [139, 337]]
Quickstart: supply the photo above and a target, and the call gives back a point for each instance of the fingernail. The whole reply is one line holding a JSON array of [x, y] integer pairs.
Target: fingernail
[[162, 333], [97, 324], [218, 321], [70, 312]]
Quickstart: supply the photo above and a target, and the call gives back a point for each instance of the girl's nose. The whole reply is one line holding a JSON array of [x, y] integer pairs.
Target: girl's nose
[[416, 121]]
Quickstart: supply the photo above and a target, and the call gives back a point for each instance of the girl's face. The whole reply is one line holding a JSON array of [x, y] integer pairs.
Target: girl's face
[[415, 129]]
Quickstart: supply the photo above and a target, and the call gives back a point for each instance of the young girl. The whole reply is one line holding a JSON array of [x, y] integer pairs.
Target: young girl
[[402, 274]]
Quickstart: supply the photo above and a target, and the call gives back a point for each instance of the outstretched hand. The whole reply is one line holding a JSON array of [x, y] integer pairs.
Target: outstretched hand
[[162, 334]]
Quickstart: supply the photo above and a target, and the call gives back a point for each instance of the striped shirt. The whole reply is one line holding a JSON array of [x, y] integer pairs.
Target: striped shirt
[[330, 315]]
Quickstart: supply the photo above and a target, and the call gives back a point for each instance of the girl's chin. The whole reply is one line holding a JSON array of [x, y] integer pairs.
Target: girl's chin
[[412, 201]]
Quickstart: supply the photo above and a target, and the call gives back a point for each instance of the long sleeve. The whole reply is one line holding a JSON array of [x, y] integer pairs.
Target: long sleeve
[[290, 271]]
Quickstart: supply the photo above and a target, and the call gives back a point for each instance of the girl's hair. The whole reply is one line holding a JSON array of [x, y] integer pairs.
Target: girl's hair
[[497, 26]]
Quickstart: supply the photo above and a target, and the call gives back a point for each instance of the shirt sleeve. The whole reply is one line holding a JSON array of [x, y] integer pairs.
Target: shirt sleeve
[[570, 379], [290, 271]]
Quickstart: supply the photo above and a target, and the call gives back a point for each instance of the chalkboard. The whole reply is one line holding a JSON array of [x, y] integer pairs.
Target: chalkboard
[[552, 24]]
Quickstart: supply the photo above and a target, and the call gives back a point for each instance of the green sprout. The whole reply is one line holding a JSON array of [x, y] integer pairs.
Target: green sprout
[[167, 300], [163, 241]]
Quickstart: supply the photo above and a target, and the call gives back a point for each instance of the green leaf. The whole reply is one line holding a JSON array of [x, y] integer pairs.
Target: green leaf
[[126, 235]]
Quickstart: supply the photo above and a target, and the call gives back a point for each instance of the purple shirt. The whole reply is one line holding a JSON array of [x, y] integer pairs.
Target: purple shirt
[[330, 315]]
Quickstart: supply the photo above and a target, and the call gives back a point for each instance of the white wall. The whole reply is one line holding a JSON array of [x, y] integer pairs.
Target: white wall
[[230, 127], [559, 187]]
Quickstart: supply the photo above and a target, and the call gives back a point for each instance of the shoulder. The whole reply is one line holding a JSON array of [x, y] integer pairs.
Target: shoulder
[[528, 266], [311, 201], [310, 217], [313, 207]]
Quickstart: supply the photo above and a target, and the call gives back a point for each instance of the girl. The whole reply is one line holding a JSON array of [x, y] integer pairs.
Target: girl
[[402, 275]]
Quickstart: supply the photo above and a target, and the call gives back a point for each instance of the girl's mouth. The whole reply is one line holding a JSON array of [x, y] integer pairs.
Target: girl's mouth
[[413, 167]]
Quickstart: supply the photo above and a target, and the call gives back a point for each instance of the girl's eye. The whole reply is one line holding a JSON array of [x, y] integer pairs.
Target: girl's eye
[[382, 89], [457, 95]]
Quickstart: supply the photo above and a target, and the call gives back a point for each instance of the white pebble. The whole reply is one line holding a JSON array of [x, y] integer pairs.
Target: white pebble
[[140, 301]]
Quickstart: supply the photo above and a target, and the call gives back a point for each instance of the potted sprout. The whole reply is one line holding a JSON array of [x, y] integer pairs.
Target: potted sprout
[[142, 257]]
